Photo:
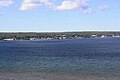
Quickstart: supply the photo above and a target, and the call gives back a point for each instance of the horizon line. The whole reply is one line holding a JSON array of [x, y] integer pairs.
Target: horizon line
[[57, 31]]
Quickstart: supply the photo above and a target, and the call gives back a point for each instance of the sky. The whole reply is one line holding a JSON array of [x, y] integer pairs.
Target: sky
[[59, 15]]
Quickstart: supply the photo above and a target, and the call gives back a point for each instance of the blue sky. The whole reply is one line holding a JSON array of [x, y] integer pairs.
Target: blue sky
[[59, 15]]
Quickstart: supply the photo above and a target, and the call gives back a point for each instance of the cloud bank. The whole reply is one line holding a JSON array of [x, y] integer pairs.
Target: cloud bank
[[82, 5], [65, 5]]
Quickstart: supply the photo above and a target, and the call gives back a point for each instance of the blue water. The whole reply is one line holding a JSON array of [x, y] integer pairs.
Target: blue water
[[87, 56]]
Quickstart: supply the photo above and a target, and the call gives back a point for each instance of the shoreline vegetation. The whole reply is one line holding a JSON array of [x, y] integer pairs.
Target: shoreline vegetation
[[55, 35]]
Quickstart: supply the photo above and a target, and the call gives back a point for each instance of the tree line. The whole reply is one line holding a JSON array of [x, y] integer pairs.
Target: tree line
[[54, 35]]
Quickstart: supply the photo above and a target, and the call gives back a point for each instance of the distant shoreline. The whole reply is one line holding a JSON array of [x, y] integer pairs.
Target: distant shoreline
[[59, 39], [7, 36]]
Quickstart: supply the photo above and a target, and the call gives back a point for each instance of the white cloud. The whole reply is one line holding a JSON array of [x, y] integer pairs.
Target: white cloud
[[27, 1], [104, 7], [32, 4], [70, 5], [65, 5], [83, 5], [28, 6], [6, 3]]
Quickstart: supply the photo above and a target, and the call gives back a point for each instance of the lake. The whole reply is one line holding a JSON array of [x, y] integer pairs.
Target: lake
[[96, 57]]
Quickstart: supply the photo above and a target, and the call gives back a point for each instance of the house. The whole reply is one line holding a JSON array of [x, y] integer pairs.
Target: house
[[10, 39]]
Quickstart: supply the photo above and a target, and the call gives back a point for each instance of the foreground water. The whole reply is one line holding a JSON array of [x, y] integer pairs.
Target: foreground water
[[77, 57]]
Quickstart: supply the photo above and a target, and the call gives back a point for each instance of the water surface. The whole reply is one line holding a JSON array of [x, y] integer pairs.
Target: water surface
[[78, 56]]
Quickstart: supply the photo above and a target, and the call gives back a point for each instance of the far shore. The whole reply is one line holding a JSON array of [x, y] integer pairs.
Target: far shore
[[60, 39]]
